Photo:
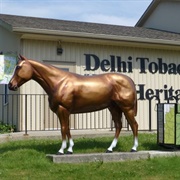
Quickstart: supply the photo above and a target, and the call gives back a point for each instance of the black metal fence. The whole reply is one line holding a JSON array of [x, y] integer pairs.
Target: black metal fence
[[30, 112]]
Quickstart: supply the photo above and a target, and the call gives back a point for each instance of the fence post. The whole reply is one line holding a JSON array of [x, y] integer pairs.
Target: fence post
[[25, 115], [111, 125], [173, 97], [150, 108]]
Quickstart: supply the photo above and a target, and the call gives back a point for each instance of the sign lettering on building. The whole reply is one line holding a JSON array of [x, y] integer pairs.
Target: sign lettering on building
[[117, 64]]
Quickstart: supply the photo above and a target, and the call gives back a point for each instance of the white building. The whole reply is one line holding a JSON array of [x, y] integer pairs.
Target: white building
[[149, 53]]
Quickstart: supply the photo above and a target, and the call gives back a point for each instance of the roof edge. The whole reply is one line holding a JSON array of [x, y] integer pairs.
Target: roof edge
[[6, 25], [147, 13], [96, 36]]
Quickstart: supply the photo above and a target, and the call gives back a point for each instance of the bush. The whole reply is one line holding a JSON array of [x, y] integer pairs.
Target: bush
[[6, 128]]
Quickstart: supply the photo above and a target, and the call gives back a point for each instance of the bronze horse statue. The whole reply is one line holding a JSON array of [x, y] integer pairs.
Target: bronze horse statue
[[71, 93]]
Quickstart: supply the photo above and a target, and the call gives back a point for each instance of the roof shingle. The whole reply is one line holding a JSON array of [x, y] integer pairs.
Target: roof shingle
[[85, 27]]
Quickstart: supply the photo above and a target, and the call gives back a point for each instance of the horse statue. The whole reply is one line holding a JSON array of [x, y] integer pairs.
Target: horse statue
[[70, 93]]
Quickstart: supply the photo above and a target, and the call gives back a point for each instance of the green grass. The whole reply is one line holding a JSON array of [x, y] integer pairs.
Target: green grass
[[26, 160]]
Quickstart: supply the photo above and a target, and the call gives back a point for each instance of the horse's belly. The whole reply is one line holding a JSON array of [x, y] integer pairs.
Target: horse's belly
[[91, 98], [88, 108]]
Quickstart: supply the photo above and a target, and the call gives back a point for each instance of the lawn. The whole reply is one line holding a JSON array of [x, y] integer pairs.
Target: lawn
[[26, 160]]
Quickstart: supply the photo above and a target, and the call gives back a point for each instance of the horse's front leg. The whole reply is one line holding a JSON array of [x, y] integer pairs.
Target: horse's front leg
[[71, 142], [63, 116]]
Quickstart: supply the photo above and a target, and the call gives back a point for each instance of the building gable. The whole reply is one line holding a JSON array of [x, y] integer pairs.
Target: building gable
[[162, 15]]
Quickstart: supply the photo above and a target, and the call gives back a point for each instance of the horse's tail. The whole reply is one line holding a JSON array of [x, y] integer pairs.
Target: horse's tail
[[135, 100]]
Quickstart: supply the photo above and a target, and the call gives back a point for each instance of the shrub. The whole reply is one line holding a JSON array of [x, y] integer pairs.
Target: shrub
[[6, 128]]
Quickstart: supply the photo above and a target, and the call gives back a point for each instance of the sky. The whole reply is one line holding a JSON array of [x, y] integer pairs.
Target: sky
[[117, 12]]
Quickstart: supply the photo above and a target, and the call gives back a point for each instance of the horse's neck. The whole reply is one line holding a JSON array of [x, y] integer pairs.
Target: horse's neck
[[46, 76]]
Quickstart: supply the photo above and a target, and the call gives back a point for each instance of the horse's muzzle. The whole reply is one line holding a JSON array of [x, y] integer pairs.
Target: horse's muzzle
[[12, 87]]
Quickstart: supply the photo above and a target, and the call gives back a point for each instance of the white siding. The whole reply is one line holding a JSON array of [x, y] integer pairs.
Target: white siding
[[74, 52], [9, 42]]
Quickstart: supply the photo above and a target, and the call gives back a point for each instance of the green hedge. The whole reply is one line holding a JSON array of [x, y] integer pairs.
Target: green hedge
[[6, 128]]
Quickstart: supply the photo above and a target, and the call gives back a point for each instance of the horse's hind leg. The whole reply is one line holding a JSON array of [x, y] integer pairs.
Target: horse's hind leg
[[116, 117], [130, 116]]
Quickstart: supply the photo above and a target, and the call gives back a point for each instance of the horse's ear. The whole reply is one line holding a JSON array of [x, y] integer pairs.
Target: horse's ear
[[20, 57]]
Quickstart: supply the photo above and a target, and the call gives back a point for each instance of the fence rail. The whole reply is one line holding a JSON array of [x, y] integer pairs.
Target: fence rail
[[30, 112]]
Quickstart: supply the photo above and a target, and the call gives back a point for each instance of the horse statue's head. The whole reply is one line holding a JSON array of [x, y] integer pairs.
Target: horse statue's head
[[22, 73]]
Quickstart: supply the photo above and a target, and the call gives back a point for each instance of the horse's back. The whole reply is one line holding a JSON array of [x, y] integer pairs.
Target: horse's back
[[119, 82]]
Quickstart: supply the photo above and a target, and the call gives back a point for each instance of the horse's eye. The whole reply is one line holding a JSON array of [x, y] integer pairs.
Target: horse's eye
[[18, 67]]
